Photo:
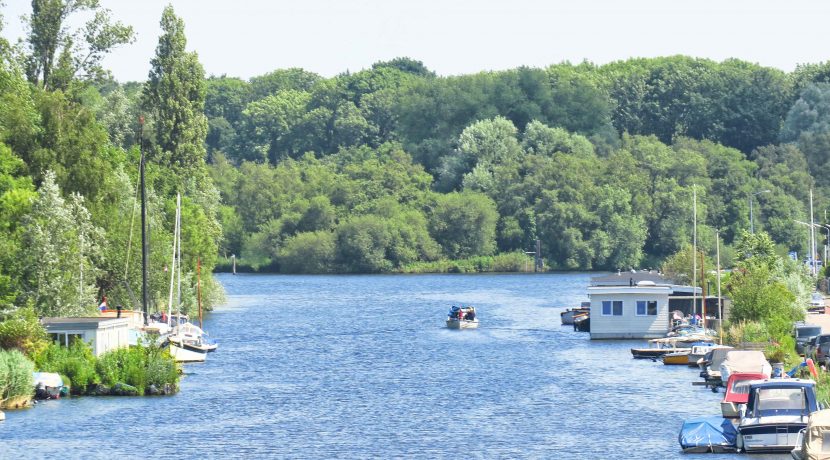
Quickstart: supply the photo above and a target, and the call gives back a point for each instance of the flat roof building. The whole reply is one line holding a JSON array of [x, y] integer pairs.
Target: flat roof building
[[102, 334]]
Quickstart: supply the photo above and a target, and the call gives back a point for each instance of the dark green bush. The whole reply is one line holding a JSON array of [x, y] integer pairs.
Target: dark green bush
[[75, 361]]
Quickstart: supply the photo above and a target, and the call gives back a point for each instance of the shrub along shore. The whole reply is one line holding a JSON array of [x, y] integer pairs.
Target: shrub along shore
[[24, 349]]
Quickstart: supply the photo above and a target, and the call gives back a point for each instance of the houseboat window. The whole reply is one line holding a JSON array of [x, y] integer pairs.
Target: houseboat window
[[612, 308], [65, 339], [646, 308]]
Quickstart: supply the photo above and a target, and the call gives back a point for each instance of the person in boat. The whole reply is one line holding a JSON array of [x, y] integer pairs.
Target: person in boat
[[460, 314], [471, 315]]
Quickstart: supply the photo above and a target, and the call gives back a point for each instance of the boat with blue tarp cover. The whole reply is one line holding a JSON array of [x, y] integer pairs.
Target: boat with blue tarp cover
[[708, 434]]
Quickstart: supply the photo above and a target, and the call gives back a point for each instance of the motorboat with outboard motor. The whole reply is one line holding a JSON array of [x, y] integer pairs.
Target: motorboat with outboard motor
[[461, 317]]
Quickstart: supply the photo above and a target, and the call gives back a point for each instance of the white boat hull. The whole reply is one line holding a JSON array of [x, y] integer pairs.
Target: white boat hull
[[462, 324], [730, 409], [770, 434], [183, 355]]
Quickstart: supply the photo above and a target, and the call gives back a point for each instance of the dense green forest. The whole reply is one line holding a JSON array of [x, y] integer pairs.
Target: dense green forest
[[391, 168]]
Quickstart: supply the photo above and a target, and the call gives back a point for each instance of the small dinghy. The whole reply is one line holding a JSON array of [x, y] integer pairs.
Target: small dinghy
[[708, 434]]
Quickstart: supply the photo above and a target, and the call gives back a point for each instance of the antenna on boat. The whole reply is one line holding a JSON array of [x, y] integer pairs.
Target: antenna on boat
[[145, 251]]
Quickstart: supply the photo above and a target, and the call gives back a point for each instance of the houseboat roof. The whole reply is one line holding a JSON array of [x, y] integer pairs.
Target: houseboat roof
[[91, 322], [642, 278]]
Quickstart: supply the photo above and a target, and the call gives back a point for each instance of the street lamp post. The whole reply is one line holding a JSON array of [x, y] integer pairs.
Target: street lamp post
[[751, 217], [811, 243]]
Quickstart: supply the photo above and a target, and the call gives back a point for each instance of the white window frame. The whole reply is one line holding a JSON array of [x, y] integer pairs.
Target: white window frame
[[656, 307], [645, 307], [611, 305], [610, 308]]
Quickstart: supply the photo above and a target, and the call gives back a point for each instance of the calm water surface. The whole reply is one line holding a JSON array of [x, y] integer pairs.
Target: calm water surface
[[361, 366]]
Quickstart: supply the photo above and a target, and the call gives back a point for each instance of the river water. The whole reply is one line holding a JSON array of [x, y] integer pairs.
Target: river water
[[363, 367]]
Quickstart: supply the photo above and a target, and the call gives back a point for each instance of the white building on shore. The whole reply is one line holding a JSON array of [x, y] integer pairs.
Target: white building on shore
[[632, 305], [103, 334]]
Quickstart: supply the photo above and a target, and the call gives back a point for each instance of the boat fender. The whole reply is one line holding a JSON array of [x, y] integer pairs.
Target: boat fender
[[812, 367]]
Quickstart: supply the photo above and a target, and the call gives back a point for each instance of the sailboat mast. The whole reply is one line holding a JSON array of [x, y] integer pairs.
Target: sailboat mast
[[703, 297], [199, 288], [173, 265], [694, 250], [720, 305], [179, 257], [145, 248]]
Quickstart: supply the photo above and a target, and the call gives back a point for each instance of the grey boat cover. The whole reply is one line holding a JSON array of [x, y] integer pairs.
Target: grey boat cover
[[748, 361], [815, 443], [704, 434], [718, 355]]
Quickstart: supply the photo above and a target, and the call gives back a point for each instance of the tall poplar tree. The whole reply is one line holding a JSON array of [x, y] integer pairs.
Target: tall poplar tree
[[174, 96]]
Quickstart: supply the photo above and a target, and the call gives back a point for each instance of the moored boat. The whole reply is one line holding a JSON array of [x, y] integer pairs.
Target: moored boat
[[568, 316], [737, 393], [744, 361], [183, 354], [699, 350], [710, 365], [676, 358], [776, 411], [582, 322], [49, 385], [461, 317], [814, 441], [659, 347], [708, 434]]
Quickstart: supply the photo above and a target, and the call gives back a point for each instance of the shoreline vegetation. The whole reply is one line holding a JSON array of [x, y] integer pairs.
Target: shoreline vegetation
[[144, 369], [514, 262]]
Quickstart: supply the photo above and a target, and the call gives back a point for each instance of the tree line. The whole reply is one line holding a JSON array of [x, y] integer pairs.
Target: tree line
[[380, 169]]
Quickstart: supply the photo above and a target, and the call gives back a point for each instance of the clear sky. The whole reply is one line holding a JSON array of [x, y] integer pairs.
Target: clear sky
[[246, 38]]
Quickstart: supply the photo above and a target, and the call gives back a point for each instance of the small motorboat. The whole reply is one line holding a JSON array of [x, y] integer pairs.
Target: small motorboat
[[677, 358], [708, 434], [659, 347], [568, 316], [737, 393], [699, 350], [582, 322], [744, 361], [710, 365], [461, 317], [776, 411], [49, 385], [814, 441]]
